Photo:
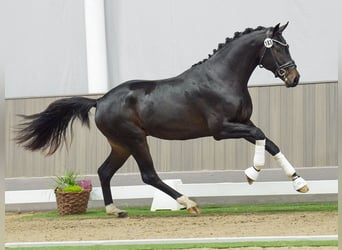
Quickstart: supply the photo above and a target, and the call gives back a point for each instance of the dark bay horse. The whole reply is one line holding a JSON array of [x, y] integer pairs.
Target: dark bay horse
[[209, 99]]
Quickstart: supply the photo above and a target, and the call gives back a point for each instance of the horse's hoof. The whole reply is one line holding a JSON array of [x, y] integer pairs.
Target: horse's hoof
[[303, 189], [112, 210], [119, 214], [249, 180], [194, 210], [300, 185], [122, 214], [190, 205], [251, 175]]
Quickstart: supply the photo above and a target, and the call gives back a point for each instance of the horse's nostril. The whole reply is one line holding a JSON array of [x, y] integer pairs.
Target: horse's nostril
[[296, 80]]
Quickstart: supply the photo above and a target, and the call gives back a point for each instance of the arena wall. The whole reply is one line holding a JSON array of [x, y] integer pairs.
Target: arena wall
[[302, 121]]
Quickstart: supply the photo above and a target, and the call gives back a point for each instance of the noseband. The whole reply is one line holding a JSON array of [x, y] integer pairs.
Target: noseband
[[282, 69]]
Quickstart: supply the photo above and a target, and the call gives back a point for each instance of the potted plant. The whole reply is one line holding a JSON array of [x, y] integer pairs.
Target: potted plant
[[72, 195]]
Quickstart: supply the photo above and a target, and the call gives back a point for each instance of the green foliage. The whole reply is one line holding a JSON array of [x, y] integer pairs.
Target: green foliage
[[73, 188], [67, 183]]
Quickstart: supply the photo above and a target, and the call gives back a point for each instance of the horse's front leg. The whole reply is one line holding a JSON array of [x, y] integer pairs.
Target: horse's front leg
[[255, 135], [299, 183], [240, 130]]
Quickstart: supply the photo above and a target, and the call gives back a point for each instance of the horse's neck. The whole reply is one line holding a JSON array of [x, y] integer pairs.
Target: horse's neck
[[237, 62]]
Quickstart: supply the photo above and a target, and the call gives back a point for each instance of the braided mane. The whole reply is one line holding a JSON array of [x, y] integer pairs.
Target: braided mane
[[228, 40]]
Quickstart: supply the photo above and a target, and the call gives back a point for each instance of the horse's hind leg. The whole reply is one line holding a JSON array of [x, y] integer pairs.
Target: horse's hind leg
[[115, 160], [141, 154], [299, 183]]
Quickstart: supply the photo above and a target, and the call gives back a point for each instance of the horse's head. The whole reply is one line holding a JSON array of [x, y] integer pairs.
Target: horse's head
[[275, 56]]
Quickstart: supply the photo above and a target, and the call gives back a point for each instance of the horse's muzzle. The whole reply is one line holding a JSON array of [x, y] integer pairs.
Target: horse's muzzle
[[292, 78]]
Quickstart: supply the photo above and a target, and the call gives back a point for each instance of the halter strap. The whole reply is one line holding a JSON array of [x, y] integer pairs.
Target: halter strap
[[281, 43], [281, 70]]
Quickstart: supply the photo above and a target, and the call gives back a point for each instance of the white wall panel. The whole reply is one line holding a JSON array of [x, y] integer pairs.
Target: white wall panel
[[45, 45], [154, 39], [45, 48]]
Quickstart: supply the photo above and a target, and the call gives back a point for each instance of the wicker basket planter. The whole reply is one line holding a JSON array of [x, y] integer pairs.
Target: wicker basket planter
[[72, 202]]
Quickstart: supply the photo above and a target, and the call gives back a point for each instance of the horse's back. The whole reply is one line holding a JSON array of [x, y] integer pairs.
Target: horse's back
[[159, 108]]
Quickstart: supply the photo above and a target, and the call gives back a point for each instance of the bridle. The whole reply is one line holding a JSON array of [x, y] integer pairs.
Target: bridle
[[281, 70]]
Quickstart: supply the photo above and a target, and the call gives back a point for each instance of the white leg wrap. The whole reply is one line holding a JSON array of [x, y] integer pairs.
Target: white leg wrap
[[186, 202], [284, 164], [111, 209], [252, 173], [299, 183], [259, 154]]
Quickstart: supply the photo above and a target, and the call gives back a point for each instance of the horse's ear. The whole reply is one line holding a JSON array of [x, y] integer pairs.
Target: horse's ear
[[276, 29], [279, 29]]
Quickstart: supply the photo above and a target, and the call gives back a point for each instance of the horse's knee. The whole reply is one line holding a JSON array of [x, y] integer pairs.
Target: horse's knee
[[258, 134]]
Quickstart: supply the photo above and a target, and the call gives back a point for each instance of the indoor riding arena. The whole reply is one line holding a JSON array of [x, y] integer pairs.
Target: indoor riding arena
[[212, 124]]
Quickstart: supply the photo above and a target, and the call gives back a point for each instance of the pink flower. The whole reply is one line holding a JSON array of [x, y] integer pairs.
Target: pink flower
[[86, 183]]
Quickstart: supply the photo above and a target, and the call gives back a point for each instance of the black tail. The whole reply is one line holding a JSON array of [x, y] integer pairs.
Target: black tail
[[47, 130]]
